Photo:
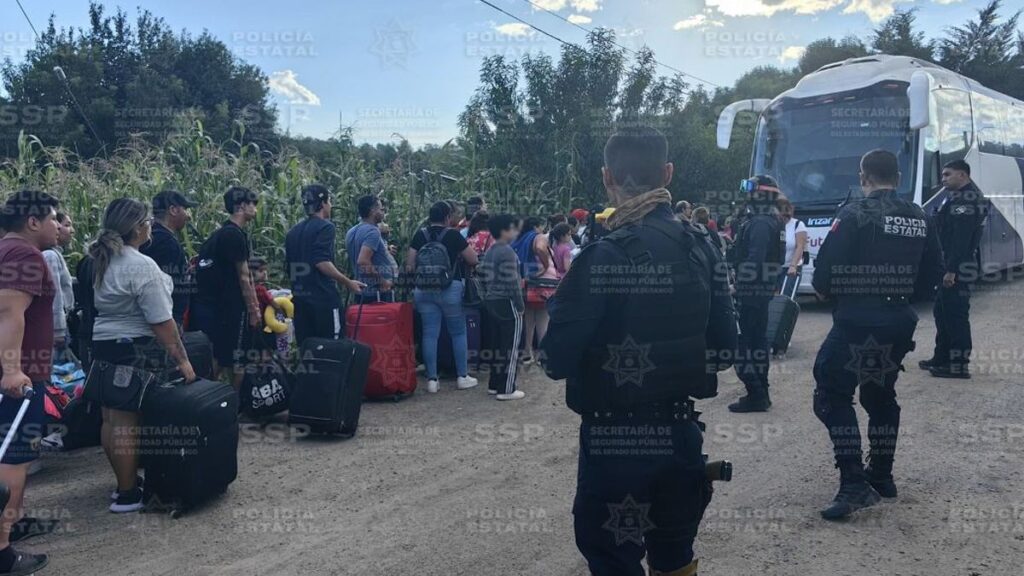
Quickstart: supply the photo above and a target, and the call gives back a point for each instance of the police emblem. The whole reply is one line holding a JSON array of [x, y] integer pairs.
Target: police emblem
[[629, 521], [629, 362], [871, 362]]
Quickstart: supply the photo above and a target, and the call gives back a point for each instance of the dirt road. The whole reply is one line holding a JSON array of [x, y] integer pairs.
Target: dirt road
[[457, 483]]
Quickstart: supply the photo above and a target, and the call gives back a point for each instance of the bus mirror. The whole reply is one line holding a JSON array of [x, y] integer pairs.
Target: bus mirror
[[918, 93], [728, 117]]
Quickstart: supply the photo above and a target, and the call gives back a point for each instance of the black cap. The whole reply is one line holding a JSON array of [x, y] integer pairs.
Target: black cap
[[315, 195], [164, 200]]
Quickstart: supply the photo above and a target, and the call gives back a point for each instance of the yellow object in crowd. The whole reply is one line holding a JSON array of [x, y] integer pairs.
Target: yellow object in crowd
[[271, 324], [604, 216]]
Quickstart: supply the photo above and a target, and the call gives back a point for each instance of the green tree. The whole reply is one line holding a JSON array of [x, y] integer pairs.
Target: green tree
[[986, 50], [828, 50], [140, 81], [896, 35]]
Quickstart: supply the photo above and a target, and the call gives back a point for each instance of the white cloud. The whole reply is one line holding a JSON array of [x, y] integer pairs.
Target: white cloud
[[549, 4], [945, 2], [699, 21], [770, 7], [285, 83], [586, 5], [876, 10], [580, 19], [577, 5], [514, 29], [792, 53]]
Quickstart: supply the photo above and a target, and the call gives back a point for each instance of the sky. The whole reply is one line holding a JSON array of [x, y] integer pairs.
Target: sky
[[394, 69]]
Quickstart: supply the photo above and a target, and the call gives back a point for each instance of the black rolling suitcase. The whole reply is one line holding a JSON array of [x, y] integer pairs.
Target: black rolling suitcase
[[782, 316], [329, 383], [189, 443]]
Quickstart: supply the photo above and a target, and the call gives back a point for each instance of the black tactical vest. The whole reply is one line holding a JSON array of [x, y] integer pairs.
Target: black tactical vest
[[891, 238], [654, 351]]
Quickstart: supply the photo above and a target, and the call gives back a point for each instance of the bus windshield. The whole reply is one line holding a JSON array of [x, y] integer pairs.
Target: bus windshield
[[813, 146]]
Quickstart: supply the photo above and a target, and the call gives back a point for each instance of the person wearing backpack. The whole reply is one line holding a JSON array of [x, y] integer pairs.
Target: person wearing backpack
[[438, 259]]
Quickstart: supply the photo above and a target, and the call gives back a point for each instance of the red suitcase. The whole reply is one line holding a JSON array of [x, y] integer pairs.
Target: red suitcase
[[387, 328]]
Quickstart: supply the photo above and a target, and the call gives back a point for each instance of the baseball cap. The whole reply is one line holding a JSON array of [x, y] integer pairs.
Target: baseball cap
[[580, 214], [315, 194], [164, 200]]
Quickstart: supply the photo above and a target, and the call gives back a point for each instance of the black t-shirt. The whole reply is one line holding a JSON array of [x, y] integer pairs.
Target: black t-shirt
[[165, 249], [309, 243], [453, 242], [217, 274]]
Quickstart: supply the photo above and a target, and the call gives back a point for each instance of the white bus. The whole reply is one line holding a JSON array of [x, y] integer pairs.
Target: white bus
[[811, 138]]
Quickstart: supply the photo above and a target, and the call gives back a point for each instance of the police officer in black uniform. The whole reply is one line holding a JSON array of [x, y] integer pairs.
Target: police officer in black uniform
[[757, 259], [959, 219], [880, 254], [639, 327]]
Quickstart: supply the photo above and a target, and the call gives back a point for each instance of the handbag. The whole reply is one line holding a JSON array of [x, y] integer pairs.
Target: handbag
[[472, 296], [540, 290]]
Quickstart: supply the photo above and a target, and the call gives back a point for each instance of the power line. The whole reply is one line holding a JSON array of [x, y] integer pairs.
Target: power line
[[548, 34], [590, 30], [59, 73], [29, 20]]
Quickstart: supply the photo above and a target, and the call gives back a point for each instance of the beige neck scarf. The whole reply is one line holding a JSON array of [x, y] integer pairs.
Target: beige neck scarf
[[634, 209]]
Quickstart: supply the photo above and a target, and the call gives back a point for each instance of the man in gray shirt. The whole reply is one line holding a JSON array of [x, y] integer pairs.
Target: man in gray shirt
[[368, 253], [502, 289]]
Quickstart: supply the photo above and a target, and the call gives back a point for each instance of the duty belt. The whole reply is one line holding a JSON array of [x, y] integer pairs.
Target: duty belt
[[682, 410], [875, 300]]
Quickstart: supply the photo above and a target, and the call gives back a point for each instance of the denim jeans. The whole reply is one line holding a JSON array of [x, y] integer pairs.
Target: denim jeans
[[434, 307]]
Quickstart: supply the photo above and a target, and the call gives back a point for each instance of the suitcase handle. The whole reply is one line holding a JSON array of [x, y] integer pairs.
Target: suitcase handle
[[29, 393]]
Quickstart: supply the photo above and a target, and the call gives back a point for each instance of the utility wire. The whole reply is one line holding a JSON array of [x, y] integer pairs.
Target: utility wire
[[59, 72], [591, 30]]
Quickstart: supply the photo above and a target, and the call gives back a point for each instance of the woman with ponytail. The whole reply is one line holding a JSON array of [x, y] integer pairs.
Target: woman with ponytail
[[134, 311]]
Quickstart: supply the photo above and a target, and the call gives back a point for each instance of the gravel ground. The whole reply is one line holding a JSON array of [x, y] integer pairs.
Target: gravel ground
[[457, 483]]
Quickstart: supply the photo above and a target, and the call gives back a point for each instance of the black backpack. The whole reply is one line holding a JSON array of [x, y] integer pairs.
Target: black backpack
[[433, 266]]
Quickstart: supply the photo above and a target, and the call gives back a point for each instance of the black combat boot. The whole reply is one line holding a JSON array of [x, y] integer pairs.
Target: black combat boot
[[751, 403], [880, 477], [854, 492], [930, 363]]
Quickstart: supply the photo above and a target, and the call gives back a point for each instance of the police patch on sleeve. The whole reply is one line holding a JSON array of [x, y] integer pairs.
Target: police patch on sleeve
[[906, 226]]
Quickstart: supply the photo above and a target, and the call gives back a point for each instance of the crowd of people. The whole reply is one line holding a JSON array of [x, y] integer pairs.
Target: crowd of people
[[140, 296]]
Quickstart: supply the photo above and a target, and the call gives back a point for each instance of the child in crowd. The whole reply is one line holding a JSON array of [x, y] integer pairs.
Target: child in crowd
[[503, 302], [258, 269]]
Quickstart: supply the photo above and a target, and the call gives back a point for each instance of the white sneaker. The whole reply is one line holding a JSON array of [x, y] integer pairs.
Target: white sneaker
[[466, 382], [517, 395], [492, 392], [433, 386]]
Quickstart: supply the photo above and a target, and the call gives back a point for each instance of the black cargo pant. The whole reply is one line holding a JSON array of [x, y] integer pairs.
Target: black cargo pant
[[641, 488], [953, 342], [752, 358], [503, 326], [869, 358]]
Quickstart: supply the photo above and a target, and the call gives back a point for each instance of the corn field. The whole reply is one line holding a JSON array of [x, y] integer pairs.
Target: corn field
[[191, 162]]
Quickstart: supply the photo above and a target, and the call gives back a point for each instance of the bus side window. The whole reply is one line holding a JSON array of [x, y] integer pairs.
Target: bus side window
[[1015, 132], [956, 130], [932, 169]]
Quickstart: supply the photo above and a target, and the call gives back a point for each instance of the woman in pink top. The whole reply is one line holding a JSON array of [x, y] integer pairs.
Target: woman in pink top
[[561, 248], [477, 234]]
